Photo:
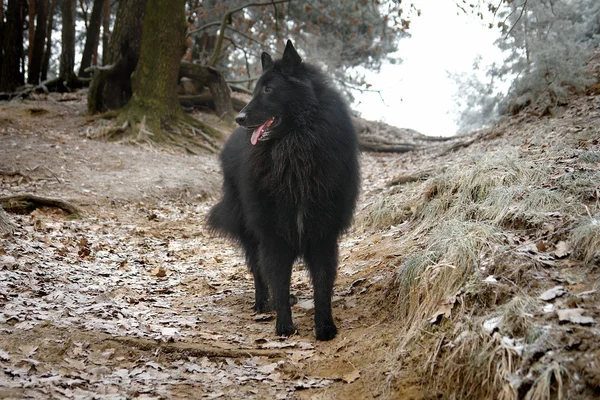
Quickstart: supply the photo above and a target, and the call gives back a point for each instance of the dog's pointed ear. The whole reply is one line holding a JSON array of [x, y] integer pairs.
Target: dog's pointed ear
[[290, 55], [266, 60]]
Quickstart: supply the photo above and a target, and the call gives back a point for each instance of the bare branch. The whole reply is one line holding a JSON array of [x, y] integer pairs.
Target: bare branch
[[215, 56]]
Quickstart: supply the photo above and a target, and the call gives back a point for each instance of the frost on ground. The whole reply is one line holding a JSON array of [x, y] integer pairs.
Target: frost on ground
[[475, 263]]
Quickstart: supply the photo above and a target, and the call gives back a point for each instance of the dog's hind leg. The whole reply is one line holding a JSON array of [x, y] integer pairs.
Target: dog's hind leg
[[321, 258], [261, 291], [275, 263]]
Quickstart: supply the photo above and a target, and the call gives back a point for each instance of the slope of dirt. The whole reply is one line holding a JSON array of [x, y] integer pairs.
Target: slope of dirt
[[136, 299]]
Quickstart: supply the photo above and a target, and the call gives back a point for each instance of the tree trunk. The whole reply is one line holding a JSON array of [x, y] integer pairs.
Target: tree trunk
[[31, 5], [1, 32], [37, 53], [67, 56], [91, 40], [11, 76], [155, 78], [48, 50], [219, 89], [105, 31], [111, 88]]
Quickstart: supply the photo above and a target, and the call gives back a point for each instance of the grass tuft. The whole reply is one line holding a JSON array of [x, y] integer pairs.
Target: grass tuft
[[585, 238]]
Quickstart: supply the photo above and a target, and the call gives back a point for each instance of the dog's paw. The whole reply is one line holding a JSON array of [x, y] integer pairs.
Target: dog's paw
[[262, 308], [326, 332], [285, 330]]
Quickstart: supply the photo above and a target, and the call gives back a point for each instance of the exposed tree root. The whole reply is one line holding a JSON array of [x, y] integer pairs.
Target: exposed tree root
[[15, 173], [138, 126], [195, 349], [24, 203]]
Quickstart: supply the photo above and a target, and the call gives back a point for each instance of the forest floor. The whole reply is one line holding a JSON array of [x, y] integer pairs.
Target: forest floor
[[137, 299]]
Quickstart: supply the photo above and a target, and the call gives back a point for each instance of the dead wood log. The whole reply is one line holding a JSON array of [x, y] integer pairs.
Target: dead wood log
[[205, 100], [369, 145], [21, 203], [381, 137], [211, 78], [196, 349]]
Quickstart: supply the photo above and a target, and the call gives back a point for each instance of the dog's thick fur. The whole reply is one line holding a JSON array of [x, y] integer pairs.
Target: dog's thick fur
[[291, 180]]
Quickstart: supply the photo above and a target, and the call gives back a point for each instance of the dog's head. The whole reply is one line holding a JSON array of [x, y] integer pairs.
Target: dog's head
[[280, 97]]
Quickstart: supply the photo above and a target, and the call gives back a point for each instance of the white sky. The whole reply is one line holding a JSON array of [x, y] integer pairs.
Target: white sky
[[418, 93]]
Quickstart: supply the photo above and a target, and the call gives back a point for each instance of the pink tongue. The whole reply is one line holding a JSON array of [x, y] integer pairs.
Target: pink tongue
[[259, 131]]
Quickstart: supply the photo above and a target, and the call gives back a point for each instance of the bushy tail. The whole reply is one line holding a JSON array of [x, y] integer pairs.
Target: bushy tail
[[224, 220], [215, 220]]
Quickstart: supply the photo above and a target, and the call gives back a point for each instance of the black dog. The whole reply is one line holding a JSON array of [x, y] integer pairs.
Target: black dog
[[291, 179]]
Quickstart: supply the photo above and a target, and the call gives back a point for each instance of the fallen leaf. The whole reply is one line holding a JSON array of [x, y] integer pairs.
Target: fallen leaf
[[159, 272], [492, 324], [264, 317], [79, 365], [28, 350], [563, 249], [574, 315], [553, 293], [444, 311], [4, 356], [351, 376], [268, 368]]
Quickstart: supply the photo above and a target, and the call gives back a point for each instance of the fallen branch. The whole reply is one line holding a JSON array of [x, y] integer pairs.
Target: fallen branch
[[417, 176], [387, 148], [196, 349], [15, 202], [458, 145]]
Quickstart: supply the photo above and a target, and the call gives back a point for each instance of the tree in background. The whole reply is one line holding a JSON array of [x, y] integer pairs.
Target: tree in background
[[111, 86], [11, 75], [338, 35], [547, 46], [38, 43], [67, 76], [92, 37], [48, 47]]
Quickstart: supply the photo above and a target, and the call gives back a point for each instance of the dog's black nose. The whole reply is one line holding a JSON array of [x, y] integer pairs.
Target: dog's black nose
[[241, 118]]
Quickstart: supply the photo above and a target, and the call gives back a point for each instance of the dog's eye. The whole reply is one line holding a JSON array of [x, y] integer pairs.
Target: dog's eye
[[267, 89]]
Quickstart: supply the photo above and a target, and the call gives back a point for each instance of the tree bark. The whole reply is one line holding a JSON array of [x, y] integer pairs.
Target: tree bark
[[91, 40], [1, 32], [48, 49], [105, 31], [31, 6], [111, 87], [37, 52], [154, 81], [12, 47], [67, 56]]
